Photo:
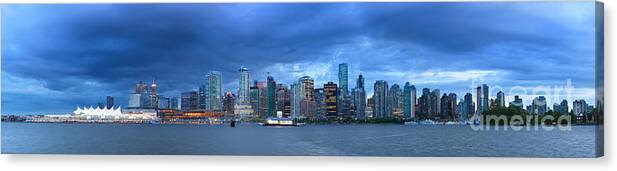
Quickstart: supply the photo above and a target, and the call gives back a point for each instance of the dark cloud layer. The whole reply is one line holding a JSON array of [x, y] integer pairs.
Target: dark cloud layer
[[77, 54]]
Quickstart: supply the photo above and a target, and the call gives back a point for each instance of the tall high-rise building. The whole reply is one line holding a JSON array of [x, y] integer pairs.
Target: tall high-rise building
[[501, 99], [380, 96], [452, 108], [538, 105], [435, 104], [320, 103], [110, 102], [445, 107], [482, 98], [295, 96], [173, 103], [343, 72], [409, 100], [283, 103], [307, 93], [359, 98], [561, 108], [330, 92], [424, 103], [580, 108], [201, 97], [214, 91], [271, 98], [244, 86], [164, 102], [518, 102], [254, 97], [395, 101], [134, 100], [229, 102], [189, 101], [468, 108]]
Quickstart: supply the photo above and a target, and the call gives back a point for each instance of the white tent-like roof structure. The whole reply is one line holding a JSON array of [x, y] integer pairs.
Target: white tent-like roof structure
[[97, 111]]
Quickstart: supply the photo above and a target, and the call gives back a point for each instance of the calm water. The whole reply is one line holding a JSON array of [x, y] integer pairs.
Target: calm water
[[347, 140]]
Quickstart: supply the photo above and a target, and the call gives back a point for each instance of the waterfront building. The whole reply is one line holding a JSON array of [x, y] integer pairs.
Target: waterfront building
[[343, 72], [445, 107], [271, 97], [424, 104], [307, 94], [254, 97], [110, 102], [145, 101], [501, 99], [229, 103], [201, 97], [409, 101], [482, 98], [134, 100], [453, 110], [380, 97], [538, 105], [173, 103], [320, 103], [435, 104], [295, 96], [213, 91], [561, 108], [104, 114], [518, 102], [189, 101], [164, 102], [468, 107], [395, 101], [330, 92], [263, 98], [370, 105], [283, 103], [244, 86], [359, 98], [580, 108]]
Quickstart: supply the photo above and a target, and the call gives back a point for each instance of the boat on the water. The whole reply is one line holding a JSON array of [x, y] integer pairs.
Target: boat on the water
[[280, 122]]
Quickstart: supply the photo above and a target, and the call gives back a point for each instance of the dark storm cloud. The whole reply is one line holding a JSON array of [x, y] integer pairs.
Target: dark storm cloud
[[84, 52]]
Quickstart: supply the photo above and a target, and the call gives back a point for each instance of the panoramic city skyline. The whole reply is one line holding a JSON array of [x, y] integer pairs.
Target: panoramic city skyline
[[88, 57]]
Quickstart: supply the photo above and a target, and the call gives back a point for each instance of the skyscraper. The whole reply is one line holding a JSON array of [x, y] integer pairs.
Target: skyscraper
[[320, 103], [283, 100], [409, 101], [134, 100], [380, 96], [538, 105], [271, 98], [110, 102], [482, 98], [395, 101], [244, 86], [307, 93], [213, 91], [330, 92], [468, 108], [435, 104], [453, 110], [295, 96], [445, 107], [501, 99], [228, 102], [424, 103], [359, 98], [343, 71], [189, 101], [518, 102]]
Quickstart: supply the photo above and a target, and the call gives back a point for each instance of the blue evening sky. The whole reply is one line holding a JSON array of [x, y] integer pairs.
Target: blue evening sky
[[55, 57]]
